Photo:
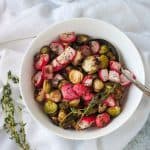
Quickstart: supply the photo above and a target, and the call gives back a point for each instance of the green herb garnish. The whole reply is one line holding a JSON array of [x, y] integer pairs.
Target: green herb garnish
[[15, 129]]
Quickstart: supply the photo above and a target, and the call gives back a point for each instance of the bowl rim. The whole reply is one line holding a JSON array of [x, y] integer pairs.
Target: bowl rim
[[23, 61]]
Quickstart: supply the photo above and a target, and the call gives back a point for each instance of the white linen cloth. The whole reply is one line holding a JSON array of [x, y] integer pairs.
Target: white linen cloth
[[23, 18]]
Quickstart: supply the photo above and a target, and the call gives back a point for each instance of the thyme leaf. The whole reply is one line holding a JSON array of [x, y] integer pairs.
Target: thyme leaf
[[15, 129]]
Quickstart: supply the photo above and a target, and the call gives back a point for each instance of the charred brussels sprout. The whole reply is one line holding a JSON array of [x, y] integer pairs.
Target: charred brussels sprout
[[40, 96], [104, 49], [75, 76], [98, 85], [103, 61], [74, 103], [44, 50], [81, 38], [114, 111], [61, 115], [55, 96], [102, 108], [90, 65], [50, 107], [46, 86]]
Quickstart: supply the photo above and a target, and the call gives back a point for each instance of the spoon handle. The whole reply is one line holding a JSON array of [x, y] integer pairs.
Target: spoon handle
[[142, 87]]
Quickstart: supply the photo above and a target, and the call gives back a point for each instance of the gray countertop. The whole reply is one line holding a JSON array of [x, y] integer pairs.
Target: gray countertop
[[142, 140]]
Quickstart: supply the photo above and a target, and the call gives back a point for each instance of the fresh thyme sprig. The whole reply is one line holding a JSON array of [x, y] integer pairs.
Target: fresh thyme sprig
[[15, 129], [97, 99]]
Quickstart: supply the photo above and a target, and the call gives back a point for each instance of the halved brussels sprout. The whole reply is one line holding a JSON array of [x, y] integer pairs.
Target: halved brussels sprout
[[40, 96], [102, 108], [114, 111], [104, 61], [46, 86], [110, 55], [64, 105], [77, 58], [50, 107], [81, 38], [90, 65], [55, 96], [61, 115], [98, 85], [45, 50], [61, 83], [74, 103], [104, 49], [75, 76]]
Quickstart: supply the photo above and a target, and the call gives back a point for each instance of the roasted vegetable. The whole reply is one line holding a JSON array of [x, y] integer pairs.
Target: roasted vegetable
[[50, 107], [55, 96], [40, 96], [61, 115], [101, 108], [64, 105], [75, 76], [61, 83], [110, 55], [90, 65], [74, 103], [81, 38], [104, 61], [98, 85], [77, 58], [45, 50], [114, 111], [46, 86], [103, 49]]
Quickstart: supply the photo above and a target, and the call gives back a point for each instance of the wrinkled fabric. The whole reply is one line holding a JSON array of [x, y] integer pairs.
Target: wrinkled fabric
[[26, 18]]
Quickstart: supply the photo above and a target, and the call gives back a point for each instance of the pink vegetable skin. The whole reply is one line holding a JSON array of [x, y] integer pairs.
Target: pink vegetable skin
[[87, 122], [38, 79], [63, 59], [114, 65], [47, 72], [94, 45], [124, 81], [80, 89], [114, 76], [68, 92], [57, 47], [110, 102], [87, 81], [102, 120], [103, 74], [56, 79], [87, 98]]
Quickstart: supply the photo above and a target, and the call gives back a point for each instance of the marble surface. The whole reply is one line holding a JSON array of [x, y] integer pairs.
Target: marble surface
[[142, 140]]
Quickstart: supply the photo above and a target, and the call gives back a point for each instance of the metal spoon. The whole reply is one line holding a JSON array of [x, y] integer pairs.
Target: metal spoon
[[138, 84]]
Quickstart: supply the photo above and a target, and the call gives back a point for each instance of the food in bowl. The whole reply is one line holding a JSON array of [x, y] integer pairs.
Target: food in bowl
[[78, 82]]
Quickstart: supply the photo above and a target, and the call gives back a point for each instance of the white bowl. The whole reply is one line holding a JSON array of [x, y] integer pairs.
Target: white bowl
[[97, 29]]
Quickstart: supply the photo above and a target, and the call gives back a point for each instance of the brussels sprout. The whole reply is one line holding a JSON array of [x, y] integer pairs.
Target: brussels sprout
[[114, 111], [61, 115], [64, 105], [61, 83], [81, 38], [40, 96], [104, 49], [110, 55], [77, 58], [55, 96], [50, 107], [98, 85], [46, 86], [44, 50], [90, 65], [75, 76], [103, 61], [74, 103], [102, 108]]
